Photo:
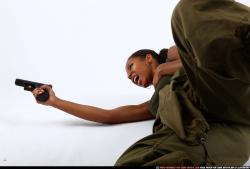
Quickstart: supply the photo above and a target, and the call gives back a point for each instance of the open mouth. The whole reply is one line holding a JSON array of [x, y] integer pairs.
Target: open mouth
[[136, 79]]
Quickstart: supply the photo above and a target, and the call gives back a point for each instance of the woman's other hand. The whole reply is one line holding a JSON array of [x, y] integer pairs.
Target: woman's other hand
[[168, 68]]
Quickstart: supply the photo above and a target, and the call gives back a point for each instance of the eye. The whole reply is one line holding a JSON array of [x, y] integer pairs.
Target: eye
[[130, 66]]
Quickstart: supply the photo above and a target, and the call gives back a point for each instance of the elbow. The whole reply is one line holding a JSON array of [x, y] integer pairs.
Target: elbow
[[110, 121], [113, 117]]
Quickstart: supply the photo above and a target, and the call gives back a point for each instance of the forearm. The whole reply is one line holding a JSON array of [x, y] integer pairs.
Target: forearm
[[86, 112], [169, 68]]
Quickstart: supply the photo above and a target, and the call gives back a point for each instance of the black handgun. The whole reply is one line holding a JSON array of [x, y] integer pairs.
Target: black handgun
[[30, 86]]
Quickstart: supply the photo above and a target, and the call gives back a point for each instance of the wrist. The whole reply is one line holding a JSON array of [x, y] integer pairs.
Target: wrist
[[55, 102]]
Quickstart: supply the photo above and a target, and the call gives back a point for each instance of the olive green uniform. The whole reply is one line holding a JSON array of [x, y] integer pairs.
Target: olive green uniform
[[202, 112]]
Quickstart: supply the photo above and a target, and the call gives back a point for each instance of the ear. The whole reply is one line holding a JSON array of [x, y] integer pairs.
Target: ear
[[149, 59]]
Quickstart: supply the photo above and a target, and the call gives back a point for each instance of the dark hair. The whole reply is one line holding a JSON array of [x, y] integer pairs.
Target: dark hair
[[160, 58]]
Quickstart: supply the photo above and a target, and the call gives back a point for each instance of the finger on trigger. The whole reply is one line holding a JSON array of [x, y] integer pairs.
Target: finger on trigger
[[46, 87]]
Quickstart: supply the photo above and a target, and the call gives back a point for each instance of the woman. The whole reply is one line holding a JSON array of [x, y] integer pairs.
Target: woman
[[202, 112], [144, 68]]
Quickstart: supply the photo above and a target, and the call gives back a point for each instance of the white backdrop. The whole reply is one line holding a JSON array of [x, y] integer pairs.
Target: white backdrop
[[80, 47]]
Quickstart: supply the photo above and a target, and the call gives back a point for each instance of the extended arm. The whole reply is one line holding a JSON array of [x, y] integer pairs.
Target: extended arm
[[129, 113]]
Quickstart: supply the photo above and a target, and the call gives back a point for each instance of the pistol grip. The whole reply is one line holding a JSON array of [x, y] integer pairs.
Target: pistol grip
[[43, 97]]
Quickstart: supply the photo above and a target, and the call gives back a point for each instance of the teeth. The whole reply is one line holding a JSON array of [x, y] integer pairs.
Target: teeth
[[135, 79]]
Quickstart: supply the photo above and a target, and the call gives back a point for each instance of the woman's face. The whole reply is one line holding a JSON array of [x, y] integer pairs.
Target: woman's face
[[140, 71]]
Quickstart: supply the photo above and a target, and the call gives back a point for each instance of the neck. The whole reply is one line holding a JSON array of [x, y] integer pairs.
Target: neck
[[154, 69]]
